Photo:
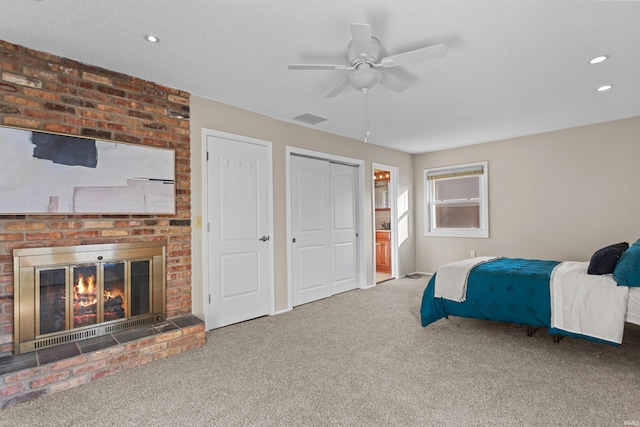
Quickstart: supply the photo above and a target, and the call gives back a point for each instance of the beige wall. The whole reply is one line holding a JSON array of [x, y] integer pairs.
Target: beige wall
[[558, 195], [213, 115]]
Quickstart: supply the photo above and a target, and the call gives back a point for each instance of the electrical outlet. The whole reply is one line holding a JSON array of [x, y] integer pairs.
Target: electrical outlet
[[472, 254]]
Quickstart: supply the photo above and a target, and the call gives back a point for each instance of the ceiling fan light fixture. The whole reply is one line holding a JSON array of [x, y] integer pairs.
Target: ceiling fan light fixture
[[599, 59], [364, 77]]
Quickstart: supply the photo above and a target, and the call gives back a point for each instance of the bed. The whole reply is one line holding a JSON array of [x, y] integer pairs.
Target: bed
[[568, 298]]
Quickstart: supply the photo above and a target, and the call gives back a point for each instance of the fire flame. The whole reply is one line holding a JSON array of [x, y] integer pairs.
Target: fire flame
[[86, 299], [85, 293]]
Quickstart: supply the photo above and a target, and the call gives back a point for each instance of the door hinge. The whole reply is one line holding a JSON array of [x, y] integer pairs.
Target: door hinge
[[209, 298], [208, 227], [207, 156]]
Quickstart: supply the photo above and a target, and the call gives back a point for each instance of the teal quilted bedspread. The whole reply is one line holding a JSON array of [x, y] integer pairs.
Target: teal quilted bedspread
[[513, 290]]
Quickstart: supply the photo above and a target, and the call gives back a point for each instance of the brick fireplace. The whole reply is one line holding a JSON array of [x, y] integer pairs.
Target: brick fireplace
[[44, 92]]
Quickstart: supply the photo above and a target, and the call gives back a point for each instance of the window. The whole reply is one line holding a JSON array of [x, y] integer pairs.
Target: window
[[456, 202]]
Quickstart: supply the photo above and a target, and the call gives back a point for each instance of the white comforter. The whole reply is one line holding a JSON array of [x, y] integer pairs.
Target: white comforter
[[587, 304], [451, 279]]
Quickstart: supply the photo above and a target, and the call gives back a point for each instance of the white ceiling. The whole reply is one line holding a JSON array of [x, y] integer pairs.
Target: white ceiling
[[512, 67]]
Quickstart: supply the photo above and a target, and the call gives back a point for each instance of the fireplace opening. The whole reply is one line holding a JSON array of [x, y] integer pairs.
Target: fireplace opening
[[70, 293]]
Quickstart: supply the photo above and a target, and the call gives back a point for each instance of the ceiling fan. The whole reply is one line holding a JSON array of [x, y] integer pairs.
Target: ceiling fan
[[365, 67]]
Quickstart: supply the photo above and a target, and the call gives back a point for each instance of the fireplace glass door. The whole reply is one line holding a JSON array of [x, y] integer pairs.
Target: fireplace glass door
[[85, 296], [114, 305], [140, 291], [53, 291], [77, 292], [99, 293]]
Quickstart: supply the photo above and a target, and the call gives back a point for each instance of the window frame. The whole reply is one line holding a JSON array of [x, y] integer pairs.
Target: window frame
[[429, 202]]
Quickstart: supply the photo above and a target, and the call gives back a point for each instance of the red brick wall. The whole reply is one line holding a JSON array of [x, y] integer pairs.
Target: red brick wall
[[43, 92], [27, 384]]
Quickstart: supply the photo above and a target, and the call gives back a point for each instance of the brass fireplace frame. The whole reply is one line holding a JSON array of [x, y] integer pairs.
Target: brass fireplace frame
[[28, 262]]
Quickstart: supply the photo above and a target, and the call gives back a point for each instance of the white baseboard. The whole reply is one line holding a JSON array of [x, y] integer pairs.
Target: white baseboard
[[286, 310]]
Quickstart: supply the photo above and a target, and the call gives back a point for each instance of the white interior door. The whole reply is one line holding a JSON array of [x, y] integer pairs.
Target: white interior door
[[239, 224], [323, 228], [310, 229], [344, 197]]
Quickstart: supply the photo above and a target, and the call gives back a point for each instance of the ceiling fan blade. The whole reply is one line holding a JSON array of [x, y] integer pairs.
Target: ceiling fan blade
[[317, 67], [361, 34], [423, 54], [336, 90], [394, 83]]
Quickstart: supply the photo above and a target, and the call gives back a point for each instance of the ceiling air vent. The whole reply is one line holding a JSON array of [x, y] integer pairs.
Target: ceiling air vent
[[309, 118]]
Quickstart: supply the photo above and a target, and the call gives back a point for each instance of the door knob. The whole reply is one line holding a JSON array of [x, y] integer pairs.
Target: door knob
[[264, 238]]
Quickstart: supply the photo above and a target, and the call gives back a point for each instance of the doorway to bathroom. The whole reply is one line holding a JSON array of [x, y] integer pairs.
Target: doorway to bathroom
[[384, 189]]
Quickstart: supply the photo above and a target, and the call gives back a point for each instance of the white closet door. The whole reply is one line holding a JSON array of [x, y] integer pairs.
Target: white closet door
[[344, 195], [323, 228], [311, 229]]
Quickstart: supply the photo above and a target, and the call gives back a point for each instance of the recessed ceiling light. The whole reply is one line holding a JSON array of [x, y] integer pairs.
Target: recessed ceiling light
[[599, 59], [151, 38], [604, 88]]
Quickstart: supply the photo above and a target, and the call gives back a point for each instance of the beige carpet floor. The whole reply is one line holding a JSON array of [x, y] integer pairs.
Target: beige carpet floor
[[362, 359]]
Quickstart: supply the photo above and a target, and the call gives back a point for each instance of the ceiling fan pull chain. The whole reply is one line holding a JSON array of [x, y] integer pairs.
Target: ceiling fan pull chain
[[366, 113]]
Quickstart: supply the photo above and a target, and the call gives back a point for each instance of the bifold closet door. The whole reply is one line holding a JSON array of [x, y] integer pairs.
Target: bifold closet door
[[310, 226], [323, 224], [344, 248]]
